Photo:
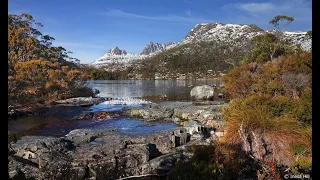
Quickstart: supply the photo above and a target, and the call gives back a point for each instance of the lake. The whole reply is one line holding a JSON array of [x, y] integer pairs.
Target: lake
[[127, 90], [143, 88]]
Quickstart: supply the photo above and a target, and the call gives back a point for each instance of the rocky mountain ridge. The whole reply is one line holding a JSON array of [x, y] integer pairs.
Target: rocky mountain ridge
[[152, 48], [236, 34]]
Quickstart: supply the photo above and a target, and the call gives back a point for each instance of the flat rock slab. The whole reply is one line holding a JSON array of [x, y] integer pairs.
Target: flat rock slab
[[79, 156], [173, 110]]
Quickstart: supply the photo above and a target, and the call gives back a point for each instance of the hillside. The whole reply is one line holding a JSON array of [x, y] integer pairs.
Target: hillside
[[207, 51]]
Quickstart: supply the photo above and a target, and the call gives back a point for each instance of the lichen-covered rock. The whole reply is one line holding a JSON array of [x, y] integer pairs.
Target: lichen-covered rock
[[203, 92], [150, 112]]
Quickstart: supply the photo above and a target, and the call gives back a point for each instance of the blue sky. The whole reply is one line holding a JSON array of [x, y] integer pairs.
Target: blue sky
[[90, 28]]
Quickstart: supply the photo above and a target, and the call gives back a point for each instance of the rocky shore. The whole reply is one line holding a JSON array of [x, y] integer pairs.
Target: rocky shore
[[99, 154], [72, 104], [108, 154]]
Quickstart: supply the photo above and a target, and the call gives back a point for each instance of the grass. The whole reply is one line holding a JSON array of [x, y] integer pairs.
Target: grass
[[278, 132], [221, 161], [183, 119]]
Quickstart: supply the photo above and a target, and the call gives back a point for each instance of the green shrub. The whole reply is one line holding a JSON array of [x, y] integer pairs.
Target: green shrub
[[12, 138]]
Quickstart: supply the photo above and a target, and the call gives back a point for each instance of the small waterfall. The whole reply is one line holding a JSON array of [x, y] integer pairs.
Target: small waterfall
[[126, 101]]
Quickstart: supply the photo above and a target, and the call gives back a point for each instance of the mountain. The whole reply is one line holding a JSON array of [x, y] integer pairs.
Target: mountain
[[117, 56], [212, 47], [214, 44], [153, 48], [117, 51], [236, 34]]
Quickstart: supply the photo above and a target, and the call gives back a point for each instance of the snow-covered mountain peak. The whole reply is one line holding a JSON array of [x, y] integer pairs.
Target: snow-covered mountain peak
[[220, 31], [117, 51], [152, 48], [117, 56]]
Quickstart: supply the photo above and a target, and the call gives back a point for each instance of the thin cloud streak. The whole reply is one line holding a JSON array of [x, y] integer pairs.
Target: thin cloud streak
[[299, 7], [169, 18], [257, 7], [257, 13]]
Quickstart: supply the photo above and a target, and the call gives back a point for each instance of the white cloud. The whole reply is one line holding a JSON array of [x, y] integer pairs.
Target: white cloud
[[300, 8], [261, 13], [170, 18], [257, 7]]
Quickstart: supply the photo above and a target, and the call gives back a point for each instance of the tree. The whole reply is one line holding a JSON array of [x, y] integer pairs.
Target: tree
[[281, 19], [26, 42], [22, 39], [265, 48], [37, 70]]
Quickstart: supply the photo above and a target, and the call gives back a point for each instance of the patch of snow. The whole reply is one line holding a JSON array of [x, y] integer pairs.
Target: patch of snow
[[298, 32]]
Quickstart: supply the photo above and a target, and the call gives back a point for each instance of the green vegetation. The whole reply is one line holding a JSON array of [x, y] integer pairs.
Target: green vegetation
[[101, 74], [37, 71], [269, 116], [183, 119], [12, 138], [193, 58], [266, 47], [272, 101], [271, 110], [309, 34], [222, 161], [281, 19]]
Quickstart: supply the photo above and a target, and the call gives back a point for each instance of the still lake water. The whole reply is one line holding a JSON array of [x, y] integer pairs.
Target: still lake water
[[116, 89], [143, 88]]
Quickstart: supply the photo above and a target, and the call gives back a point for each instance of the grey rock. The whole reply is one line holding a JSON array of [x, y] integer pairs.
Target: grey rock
[[150, 112], [204, 92], [76, 157], [151, 48]]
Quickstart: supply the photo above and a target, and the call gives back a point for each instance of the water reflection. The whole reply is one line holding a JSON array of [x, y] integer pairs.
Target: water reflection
[[141, 88]]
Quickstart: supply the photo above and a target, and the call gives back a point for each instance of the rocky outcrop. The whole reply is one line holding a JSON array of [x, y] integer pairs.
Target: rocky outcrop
[[13, 113], [203, 92], [117, 51], [98, 154], [190, 115], [149, 112], [153, 48], [107, 154]]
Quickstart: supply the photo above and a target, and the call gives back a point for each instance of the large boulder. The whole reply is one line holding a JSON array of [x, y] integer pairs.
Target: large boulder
[[203, 92]]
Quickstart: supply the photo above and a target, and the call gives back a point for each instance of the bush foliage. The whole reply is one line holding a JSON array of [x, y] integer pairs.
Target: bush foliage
[[272, 106], [38, 71]]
